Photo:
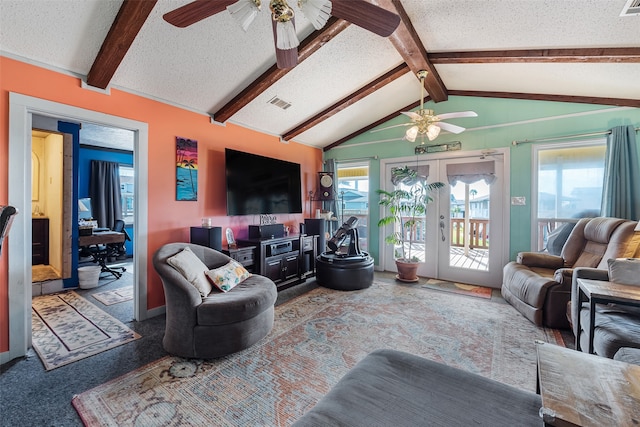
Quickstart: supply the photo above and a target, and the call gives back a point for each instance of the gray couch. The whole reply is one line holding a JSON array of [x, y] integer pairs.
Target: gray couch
[[219, 324], [393, 388], [617, 327]]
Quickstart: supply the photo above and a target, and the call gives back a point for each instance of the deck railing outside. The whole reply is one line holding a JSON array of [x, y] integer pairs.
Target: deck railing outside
[[479, 233], [547, 225]]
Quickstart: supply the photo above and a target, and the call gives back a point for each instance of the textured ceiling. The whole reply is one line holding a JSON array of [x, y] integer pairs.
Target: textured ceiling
[[204, 66]]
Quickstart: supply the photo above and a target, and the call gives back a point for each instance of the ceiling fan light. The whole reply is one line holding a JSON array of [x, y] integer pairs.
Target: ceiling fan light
[[316, 11], [432, 132], [286, 37], [244, 12], [411, 134]]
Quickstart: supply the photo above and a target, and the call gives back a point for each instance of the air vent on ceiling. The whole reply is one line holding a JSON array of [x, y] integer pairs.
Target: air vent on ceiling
[[280, 103], [632, 8]]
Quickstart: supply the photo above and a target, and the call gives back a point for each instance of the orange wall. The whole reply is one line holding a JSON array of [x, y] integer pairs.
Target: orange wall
[[169, 220]]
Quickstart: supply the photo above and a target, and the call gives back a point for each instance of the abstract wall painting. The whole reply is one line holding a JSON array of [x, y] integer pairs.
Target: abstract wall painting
[[186, 169]]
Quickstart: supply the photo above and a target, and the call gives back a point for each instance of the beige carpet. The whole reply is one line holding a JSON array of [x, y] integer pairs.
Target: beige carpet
[[317, 337], [67, 328]]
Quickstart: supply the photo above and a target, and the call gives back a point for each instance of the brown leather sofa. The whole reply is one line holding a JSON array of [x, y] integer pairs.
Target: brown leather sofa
[[538, 284]]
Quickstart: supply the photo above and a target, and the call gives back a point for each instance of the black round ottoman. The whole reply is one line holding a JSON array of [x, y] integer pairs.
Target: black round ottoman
[[344, 273]]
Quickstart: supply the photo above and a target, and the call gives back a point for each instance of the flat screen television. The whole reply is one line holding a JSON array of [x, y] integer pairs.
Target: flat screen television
[[261, 185]]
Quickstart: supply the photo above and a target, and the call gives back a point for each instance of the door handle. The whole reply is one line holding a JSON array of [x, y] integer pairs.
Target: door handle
[[442, 230]]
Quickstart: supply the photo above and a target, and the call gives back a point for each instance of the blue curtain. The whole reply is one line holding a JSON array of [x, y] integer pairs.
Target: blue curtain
[[621, 189]]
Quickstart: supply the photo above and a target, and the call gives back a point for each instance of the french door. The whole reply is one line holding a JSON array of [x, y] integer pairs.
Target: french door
[[461, 237]]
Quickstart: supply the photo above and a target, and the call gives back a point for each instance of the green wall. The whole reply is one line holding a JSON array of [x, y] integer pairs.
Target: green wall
[[499, 122]]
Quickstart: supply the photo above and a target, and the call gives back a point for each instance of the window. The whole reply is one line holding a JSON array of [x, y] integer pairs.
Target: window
[[126, 192], [568, 181], [353, 186]]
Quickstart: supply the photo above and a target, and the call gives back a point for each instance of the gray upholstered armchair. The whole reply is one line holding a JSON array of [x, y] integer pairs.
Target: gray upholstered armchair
[[219, 323], [538, 284]]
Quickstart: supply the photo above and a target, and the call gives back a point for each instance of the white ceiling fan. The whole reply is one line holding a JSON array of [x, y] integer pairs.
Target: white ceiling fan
[[426, 122]]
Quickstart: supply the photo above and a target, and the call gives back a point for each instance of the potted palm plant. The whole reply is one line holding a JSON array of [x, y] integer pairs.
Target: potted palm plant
[[405, 208]]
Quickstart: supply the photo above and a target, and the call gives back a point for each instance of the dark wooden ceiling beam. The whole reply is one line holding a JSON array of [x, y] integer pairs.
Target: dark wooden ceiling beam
[[372, 125], [620, 102], [307, 47], [615, 55], [407, 42], [349, 100], [129, 20]]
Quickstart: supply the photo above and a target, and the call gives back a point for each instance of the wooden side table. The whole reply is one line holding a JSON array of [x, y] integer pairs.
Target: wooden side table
[[580, 389], [601, 292]]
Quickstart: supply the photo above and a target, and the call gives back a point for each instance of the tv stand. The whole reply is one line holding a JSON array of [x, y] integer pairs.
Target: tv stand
[[287, 261]]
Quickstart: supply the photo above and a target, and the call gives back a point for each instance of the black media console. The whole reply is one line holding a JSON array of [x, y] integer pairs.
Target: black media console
[[287, 260]]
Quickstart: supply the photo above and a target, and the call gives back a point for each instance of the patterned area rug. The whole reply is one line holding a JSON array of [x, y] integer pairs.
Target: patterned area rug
[[316, 338], [67, 328], [458, 288], [115, 296]]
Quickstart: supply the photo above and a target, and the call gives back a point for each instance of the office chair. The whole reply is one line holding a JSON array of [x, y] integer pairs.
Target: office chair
[[7, 213], [119, 250], [103, 253]]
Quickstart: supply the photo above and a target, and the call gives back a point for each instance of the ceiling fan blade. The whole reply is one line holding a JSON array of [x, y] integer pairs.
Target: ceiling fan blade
[[390, 127], [449, 127], [285, 58], [366, 15], [456, 115], [195, 11], [412, 115]]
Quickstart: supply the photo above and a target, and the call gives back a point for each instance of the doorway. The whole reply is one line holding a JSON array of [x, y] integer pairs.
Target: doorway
[[21, 109], [463, 235], [51, 209]]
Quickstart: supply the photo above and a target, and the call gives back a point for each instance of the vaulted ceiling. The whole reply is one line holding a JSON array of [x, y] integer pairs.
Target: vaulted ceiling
[[348, 80]]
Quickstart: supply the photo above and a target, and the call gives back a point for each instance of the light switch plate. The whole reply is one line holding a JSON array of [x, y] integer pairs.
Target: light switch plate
[[518, 201]]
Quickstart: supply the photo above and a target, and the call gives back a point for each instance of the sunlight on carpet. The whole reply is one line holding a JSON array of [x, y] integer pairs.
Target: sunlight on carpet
[[458, 288], [67, 328], [316, 339]]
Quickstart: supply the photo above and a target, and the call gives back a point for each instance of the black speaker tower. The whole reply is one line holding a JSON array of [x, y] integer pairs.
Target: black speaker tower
[[314, 226]]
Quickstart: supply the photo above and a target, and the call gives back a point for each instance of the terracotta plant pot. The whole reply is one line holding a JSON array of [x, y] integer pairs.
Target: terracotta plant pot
[[407, 271]]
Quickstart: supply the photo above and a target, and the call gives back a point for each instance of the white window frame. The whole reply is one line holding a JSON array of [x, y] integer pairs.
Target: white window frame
[[534, 176]]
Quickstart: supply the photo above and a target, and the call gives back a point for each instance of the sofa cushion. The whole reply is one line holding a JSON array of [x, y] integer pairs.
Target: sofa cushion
[[247, 300], [192, 269], [628, 355], [616, 327], [625, 271], [393, 388], [228, 276]]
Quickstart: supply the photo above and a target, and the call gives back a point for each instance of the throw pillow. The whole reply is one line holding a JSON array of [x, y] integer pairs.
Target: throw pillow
[[192, 269], [228, 276], [625, 271]]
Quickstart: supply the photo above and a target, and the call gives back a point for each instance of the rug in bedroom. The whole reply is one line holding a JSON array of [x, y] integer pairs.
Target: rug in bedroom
[[115, 296], [67, 328]]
